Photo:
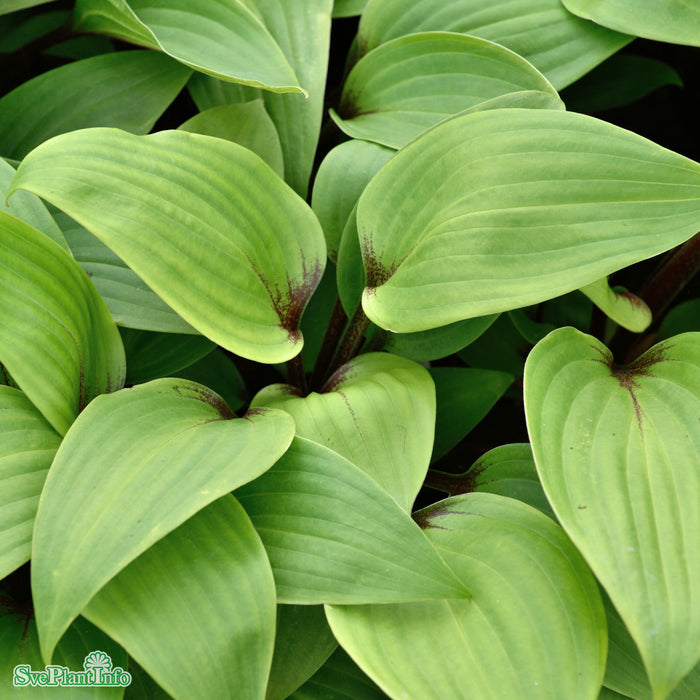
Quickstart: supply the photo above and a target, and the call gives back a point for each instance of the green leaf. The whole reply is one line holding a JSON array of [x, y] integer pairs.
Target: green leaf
[[29, 208], [131, 302], [247, 124], [339, 679], [19, 644], [674, 21], [451, 225], [218, 372], [622, 79], [617, 451], [334, 536], [142, 686], [501, 347], [534, 627], [231, 248], [223, 39], [57, 339], [409, 84], [623, 307], [89, 93], [155, 355], [27, 447], [341, 178], [303, 643], [377, 411], [14, 5], [208, 92], [437, 343], [557, 43], [681, 319], [464, 396], [219, 643], [19, 30], [166, 449], [303, 29], [348, 8]]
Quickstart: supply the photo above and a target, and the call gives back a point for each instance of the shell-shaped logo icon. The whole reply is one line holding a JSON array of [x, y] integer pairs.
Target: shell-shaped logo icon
[[98, 659]]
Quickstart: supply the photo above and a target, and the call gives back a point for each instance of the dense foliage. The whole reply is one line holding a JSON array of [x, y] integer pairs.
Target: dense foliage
[[274, 273]]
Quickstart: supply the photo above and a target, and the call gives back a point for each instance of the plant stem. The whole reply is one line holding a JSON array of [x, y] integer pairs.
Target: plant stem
[[295, 374], [331, 338], [350, 344], [661, 288]]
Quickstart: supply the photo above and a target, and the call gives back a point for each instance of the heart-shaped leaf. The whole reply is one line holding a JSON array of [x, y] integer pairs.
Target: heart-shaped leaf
[[230, 247], [618, 453], [334, 536], [223, 39], [461, 213], [674, 21], [28, 444], [534, 627], [409, 84], [377, 411], [166, 449], [219, 643], [90, 93], [57, 338], [557, 43]]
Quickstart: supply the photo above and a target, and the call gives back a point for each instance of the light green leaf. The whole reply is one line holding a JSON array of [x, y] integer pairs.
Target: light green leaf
[[303, 29], [464, 396], [623, 307], [348, 8], [534, 627], [377, 411], [303, 643], [339, 679], [230, 248], [166, 449], [57, 339], [247, 124], [674, 21], [622, 79], [409, 84], [208, 92], [131, 302], [341, 177], [29, 207], [27, 447], [14, 5], [334, 536], [618, 453], [437, 343], [19, 644], [218, 644], [218, 372], [557, 43], [501, 209], [223, 39], [155, 355], [89, 93]]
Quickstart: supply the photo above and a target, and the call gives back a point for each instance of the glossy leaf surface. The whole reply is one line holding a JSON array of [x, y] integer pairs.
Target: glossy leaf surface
[[377, 411], [90, 93], [409, 84], [465, 209], [618, 453], [674, 21], [28, 444], [218, 644], [557, 43], [214, 212], [534, 627], [224, 39], [54, 325], [166, 449], [334, 535]]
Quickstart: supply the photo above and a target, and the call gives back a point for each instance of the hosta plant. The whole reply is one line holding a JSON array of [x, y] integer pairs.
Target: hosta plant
[[273, 274]]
